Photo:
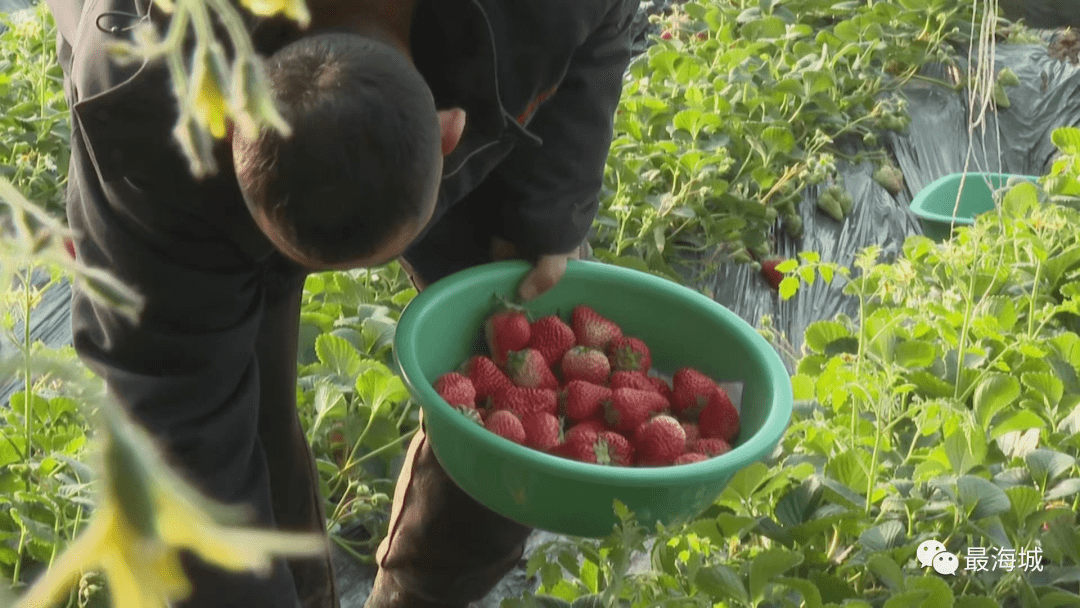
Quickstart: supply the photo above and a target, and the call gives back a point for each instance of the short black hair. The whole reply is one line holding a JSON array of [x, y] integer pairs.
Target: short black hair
[[364, 156]]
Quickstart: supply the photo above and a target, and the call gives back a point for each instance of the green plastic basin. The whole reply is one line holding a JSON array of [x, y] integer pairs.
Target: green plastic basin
[[936, 203], [441, 328]]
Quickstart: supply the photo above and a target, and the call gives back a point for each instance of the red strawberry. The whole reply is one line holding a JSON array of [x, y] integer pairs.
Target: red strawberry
[[456, 389], [629, 355], [522, 401], [612, 448], [661, 387], [505, 331], [581, 400], [528, 369], [552, 337], [659, 441], [692, 392], [709, 447], [593, 330], [541, 431], [719, 419], [692, 433], [69, 245], [629, 408], [506, 424], [579, 446], [638, 380], [584, 363], [771, 274], [593, 426], [690, 458], [486, 377]]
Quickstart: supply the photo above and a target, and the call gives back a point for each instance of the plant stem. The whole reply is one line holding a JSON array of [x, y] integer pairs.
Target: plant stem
[[378, 451], [27, 397]]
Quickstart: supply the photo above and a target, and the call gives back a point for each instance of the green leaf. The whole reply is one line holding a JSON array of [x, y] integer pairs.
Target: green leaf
[[820, 334], [809, 592], [378, 387], [975, 601], [1067, 139], [966, 449], [1020, 421], [994, 393], [789, 286], [1047, 385], [768, 565], [338, 355], [798, 505], [1057, 599], [1025, 500], [779, 138], [1020, 200], [981, 498], [1000, 308], [593, 600], [721, 583], [1064, 489], [914, 354], [1047, 465], [687, 120], [888, 535], [887, 570], [802, 387]]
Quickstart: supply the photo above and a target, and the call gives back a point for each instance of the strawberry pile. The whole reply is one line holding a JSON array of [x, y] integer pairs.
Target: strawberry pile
[[585, 391]]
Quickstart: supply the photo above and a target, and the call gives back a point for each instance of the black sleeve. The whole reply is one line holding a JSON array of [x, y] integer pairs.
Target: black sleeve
[[549, 193]]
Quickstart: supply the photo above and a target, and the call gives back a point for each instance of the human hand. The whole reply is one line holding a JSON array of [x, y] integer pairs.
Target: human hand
[[547, 270]]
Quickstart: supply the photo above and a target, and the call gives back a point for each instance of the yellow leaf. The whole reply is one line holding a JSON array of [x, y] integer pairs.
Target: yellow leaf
[[294, 9]]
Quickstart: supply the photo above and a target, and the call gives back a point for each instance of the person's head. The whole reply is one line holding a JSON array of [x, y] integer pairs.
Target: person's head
[[357, 179]]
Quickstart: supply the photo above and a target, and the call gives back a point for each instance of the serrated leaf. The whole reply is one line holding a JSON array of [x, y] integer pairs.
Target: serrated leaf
[[1048, 386], [966, 449], [1047, 465], [1025, 500], [768, 565], [1067, 139], [809, 592], [802, 387], [1064, 489], [995, 392], [887, 570], [981, 498], [721, 583], [338, 355], [820, 334], [887, 535], [915, 354], [1020, 421], [789, 286], [779, 138]]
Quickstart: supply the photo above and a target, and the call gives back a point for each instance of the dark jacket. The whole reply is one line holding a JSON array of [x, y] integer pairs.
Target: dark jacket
[[539, 81]]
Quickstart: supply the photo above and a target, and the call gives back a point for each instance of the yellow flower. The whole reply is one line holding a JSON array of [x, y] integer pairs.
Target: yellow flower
[[294, 9], [146, 516], [211, 108]]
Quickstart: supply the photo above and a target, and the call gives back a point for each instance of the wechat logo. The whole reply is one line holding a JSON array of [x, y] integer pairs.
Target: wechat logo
[[932, 554]]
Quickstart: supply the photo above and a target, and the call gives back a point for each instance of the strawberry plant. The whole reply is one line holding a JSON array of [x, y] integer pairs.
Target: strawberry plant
[[949, 411], [34, 127], [727, 121], [353, 405]]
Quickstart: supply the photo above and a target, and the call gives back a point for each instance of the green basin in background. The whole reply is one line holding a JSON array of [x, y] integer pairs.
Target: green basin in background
[[440, 329], [935, 204]]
